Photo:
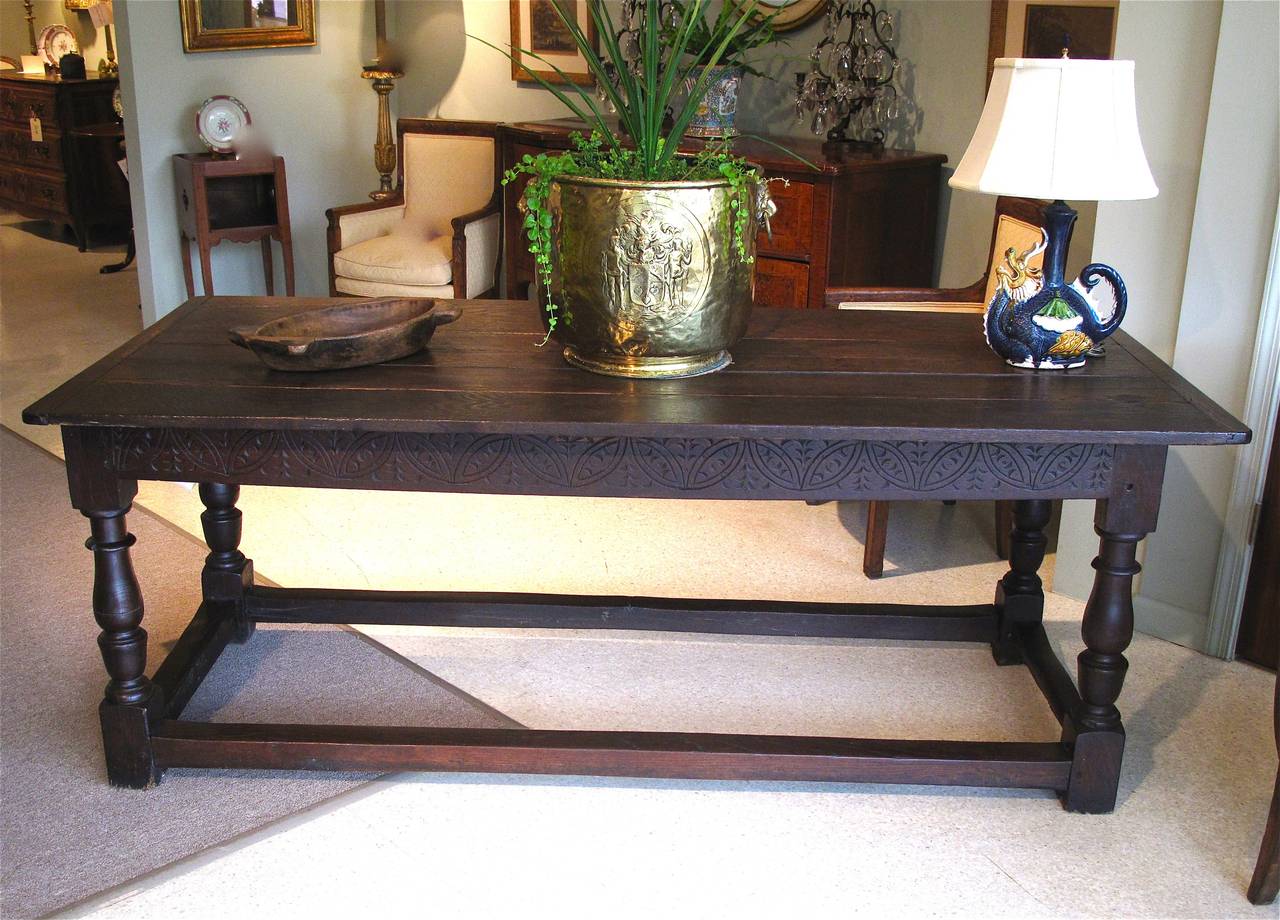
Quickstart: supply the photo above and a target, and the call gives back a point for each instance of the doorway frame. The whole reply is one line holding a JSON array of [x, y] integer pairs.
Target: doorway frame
[[1235, 552]]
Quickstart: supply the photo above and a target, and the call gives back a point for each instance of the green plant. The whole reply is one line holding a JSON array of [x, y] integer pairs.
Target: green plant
[[641, 100], [708, 33]]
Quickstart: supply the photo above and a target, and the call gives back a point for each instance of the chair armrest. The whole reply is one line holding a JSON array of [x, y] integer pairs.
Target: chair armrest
[[477, 245], [355, 223]]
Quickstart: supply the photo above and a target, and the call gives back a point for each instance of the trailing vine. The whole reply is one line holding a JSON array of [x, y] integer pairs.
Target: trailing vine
[[589, 157]]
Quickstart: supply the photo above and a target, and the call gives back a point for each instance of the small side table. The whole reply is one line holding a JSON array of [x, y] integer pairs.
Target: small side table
[[237, 200]]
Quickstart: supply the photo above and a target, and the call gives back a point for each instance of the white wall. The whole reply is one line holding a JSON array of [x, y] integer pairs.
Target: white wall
[[448, 75], [310, 102], [1194, 260]]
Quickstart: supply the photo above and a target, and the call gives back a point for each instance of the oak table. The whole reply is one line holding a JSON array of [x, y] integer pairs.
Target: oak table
[[819, 405]]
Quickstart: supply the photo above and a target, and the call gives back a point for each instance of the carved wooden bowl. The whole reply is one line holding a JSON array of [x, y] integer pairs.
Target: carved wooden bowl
[[352, 334]]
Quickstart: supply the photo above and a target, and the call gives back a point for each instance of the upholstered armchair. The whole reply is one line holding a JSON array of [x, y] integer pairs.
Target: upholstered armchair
[[1017, 226], [440, 233]]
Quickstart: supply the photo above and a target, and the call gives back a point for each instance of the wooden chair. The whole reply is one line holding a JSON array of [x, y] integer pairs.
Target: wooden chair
[[1265, 884], [440, 233], [1017, 225]]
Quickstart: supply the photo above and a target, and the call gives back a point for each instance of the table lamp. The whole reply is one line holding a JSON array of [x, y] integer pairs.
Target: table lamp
[[1056, 129]]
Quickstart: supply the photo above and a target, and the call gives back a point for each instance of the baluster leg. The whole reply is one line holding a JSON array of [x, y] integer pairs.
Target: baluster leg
[[227, 573], [130, 697], [1020, 595], [1095, 729]]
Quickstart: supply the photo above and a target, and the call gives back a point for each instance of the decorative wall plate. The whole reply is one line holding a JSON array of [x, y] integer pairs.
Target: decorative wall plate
[[791, 14], [219, 121], [55, 41]]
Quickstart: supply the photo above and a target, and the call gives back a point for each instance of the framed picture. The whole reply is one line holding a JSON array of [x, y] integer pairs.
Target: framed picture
[[1087, 32], [231, 25], [1042, 28], [536, 27]]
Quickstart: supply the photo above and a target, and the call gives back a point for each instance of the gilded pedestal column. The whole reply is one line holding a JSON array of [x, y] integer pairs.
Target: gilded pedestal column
[[384, 145]]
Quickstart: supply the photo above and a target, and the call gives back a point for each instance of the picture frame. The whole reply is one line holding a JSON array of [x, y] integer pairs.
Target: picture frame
[[220, 25], [536, 27], [78, 5], [1030, 28]]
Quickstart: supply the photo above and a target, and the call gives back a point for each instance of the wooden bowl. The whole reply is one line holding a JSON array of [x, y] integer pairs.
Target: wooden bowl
[[353, 334]]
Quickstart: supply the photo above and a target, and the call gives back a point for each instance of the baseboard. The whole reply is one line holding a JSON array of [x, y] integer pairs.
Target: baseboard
[[1165, 621]]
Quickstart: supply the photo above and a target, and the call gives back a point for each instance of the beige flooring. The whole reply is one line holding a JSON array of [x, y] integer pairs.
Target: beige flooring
[[1197, 775]]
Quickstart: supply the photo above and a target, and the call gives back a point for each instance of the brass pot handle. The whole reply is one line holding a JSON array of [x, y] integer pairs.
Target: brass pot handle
[[766, 207]]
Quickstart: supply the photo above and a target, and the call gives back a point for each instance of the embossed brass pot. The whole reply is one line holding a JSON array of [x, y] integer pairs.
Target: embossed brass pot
[[647, 275]]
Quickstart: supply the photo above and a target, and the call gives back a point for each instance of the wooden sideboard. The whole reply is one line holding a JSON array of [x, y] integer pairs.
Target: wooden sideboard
[[37, 165], [863, 218]]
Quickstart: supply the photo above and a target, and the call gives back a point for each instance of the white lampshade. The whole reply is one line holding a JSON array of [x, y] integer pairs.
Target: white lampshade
[[1058, 128]]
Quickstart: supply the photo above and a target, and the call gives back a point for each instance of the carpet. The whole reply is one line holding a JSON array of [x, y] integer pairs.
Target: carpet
[[67, 834]]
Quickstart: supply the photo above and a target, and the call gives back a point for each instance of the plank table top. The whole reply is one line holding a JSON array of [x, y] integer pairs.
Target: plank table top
[[852, 375]]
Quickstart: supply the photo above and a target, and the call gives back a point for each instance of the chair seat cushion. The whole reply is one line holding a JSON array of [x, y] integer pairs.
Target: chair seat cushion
[[383, 289], [398, 258]]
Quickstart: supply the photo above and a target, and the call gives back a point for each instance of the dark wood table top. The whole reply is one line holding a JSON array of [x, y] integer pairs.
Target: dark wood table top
[[851, 375]]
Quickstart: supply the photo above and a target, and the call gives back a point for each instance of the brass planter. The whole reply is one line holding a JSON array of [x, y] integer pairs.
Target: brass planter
[[647, 275]]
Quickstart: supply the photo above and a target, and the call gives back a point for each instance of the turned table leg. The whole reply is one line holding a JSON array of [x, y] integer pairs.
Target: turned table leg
[[1095, 729], [227, 573], [117, 606], [1020, 595]]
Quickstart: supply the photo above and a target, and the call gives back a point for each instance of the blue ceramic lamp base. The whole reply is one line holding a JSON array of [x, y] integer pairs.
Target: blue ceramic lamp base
[[1035, 320]]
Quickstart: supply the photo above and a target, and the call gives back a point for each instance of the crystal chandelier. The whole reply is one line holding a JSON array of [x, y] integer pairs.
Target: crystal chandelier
[[852, 90]]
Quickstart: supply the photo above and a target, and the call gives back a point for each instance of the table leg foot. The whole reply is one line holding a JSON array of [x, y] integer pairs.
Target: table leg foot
[[227, 573], [126, 741], [1095, 772], [1020, 594]]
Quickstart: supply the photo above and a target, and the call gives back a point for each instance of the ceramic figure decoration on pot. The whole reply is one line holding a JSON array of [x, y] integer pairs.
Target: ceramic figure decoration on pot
[[1056, 129]]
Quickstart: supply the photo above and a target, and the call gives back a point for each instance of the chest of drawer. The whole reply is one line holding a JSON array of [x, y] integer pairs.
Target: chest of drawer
[[16, 146], [19, 103], [792, 225], [780, 283], [47, 192]]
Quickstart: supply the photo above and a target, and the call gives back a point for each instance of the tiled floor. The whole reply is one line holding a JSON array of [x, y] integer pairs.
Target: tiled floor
[[1198, 770]]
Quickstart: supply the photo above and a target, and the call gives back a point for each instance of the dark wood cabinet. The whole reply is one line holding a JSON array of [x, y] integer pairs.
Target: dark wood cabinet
[[38, 168], [862, 218]]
